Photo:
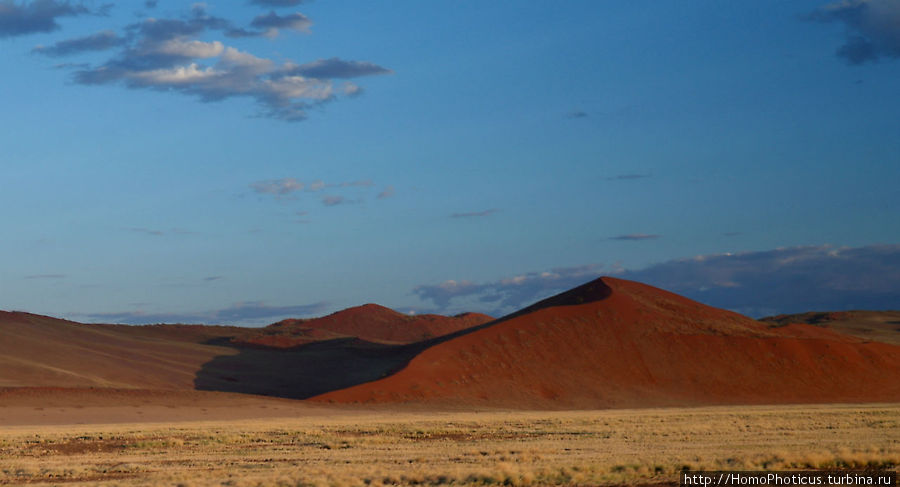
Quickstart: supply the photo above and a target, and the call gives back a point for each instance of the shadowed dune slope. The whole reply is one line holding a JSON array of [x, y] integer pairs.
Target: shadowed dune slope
[[617, 343], [369, 322]]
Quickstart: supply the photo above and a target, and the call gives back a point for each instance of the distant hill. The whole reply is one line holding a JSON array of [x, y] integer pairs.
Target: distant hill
[[369, 322], [617, 343], [878, 326], [39, 351]]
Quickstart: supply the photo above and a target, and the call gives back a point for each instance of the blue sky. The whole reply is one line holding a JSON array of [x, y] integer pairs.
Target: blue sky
[[241, 162]]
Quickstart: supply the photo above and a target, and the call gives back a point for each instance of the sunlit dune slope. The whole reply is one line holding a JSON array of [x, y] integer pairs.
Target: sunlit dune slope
[[617, 343], [41, 351]]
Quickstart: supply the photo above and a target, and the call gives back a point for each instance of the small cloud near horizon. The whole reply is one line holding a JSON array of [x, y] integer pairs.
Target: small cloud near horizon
[[475, 214], [628, 176], [278, 3], [636, 237], [386, 193], [332, 200], [277, 187], [46, 276], [146, 231], [237, 314]]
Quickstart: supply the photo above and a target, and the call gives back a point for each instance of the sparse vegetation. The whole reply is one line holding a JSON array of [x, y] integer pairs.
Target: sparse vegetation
[[492, 448]]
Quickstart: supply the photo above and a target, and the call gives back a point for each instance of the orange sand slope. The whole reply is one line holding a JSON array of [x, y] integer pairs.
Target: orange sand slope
[[617, 343]]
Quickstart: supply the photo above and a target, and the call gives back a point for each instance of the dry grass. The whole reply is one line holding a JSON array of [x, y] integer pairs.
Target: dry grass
[[495, 448]]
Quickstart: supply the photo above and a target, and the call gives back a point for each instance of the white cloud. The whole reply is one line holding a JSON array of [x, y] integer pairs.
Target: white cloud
[[166, 54], [181, 75], [191, 49], [282, 186]]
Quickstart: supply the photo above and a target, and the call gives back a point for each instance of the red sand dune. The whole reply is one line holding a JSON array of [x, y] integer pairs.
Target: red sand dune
[[617, 343], [369, 322]]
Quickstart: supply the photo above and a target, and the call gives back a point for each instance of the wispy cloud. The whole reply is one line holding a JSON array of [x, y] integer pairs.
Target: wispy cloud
[[386, 193], [338, 68], [278, 3], [278, 187], [101, 41], [872, 28], [286, 186], [636, 237], [363, 183], [270, 24], [23, 18], [335, 200], [628, 176], [254, 312], [155, 232], [147, 231], [46, 276], [213, 278], [474, 214], [577, 114]]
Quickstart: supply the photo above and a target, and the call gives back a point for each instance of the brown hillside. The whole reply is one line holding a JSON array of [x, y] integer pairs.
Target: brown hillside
[[617, 343], [879, 326], [42, 351]]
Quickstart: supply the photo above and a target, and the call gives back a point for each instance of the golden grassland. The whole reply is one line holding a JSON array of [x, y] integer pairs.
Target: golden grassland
[[350, 448]]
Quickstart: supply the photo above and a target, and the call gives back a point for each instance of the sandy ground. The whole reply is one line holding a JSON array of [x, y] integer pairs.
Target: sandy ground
[[57, 406]]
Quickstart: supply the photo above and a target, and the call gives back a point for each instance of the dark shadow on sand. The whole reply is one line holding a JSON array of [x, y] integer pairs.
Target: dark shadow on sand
[[301, 372]]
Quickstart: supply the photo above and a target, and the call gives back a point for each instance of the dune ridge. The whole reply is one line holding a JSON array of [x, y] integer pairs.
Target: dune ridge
[[618, 343]]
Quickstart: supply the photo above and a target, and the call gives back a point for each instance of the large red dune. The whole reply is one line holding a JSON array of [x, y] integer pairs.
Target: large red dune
[[617, 343]]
